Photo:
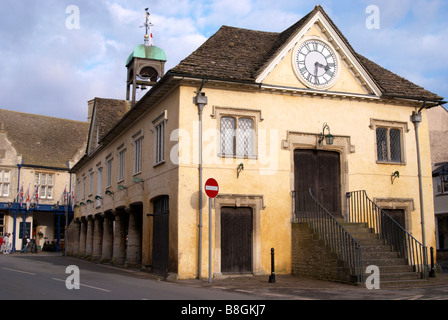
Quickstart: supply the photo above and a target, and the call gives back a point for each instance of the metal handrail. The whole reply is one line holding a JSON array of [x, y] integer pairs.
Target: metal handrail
[[362, 209], [308, 210]]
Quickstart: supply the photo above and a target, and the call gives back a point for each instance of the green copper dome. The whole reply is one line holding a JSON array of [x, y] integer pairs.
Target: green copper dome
[[147, 52]]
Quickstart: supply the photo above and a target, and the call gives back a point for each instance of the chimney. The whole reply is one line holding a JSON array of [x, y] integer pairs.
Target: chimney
[[90, 105]]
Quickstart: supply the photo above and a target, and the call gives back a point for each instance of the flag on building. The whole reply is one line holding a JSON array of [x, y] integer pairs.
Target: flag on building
[[63, 198], [36, 195], [73, 200], [21, 196], [28, 198]]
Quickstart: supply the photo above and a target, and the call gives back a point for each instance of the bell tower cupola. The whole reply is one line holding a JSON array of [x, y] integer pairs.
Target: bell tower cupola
[[145, 65]]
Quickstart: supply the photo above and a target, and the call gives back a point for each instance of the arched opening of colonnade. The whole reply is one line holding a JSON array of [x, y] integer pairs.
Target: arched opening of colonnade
[[127, 236], [114, 236]]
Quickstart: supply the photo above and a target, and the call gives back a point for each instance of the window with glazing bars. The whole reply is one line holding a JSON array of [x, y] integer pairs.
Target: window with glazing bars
[[121, 165], [138, 155], [44, 181], [442, 184], [237, 137], [388, 144], [4, 183], [109, 173], [160, 143]]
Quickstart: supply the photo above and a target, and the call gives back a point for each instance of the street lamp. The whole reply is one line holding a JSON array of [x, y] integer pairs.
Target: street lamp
[[416, 118], [200, 100]]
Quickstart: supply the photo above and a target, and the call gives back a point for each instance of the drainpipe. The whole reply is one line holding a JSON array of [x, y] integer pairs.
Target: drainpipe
[[416, 118], [66, 215], [200, 100], [19, 166]]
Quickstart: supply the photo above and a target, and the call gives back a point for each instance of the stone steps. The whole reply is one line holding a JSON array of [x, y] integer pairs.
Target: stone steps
[[393, 269]]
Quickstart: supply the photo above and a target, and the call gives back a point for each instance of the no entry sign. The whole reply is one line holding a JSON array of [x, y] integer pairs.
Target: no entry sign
[[211, 188]]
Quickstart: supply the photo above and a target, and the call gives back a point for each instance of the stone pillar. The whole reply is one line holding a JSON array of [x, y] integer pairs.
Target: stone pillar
[[119, 252], [134, 246], [97, 237], [89, 237], [108, 233], [73, 237], [82, 237]]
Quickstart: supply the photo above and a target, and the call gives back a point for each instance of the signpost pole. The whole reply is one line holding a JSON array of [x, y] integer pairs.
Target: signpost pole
[[210, 240], [211, 189]]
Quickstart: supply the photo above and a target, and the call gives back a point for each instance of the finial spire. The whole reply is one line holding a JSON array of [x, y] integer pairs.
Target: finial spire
[[149, 41]]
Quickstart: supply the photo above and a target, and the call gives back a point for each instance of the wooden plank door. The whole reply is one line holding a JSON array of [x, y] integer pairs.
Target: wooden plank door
[[160, 245], [320, 171], [236, 240]]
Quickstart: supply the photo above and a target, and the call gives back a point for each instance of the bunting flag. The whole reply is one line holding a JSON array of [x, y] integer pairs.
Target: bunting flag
[[21, 195], [28, 197], [61, 200], [36, 195], [151, 39]]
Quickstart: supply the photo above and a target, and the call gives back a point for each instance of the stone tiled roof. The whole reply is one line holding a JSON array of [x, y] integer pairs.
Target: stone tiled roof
[[230, 54], [392, 84], [242, 54], [42, 140], [108, 113]]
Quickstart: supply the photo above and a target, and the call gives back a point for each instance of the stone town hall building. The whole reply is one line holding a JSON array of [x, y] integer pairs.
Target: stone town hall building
[[268, 115]]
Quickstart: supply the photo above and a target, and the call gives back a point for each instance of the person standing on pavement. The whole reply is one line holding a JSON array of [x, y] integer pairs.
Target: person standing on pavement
[[6, 243], [25, 242], [9, 245], [1, 244], [32, 245]]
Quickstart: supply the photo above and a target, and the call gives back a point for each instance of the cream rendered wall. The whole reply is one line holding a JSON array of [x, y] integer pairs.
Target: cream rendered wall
[[283, 113], [271, 174], [351, 118], [158, 179]]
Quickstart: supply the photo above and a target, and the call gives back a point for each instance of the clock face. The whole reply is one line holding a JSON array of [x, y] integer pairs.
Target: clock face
[[316, 64]]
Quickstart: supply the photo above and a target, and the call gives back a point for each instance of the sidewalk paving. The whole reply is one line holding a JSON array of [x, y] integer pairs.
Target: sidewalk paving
[[301, 288], [291, 287]]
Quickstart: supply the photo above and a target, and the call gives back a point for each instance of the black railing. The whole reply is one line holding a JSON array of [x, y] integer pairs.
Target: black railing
[[308, 210], [362, 209]]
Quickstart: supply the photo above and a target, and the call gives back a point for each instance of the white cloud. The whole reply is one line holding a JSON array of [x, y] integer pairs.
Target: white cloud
[[123, 15], [51, 70]]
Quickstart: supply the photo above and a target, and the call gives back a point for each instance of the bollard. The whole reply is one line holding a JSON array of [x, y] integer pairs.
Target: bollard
[[272, 276], [432, 273]]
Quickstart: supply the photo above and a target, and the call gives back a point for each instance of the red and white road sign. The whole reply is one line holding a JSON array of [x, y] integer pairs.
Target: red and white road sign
[[211, 188]]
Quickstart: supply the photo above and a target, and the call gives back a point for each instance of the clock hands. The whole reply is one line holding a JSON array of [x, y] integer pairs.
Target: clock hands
[[316, 68], [317, 64]]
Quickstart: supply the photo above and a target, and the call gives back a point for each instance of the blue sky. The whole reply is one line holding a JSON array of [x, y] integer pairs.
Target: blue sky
[[51, 69]]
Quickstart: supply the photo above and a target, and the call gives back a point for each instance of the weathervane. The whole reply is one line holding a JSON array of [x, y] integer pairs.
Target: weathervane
[[149, 41]]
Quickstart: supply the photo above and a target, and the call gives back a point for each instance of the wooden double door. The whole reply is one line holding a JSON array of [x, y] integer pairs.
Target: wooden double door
[[320, 171]]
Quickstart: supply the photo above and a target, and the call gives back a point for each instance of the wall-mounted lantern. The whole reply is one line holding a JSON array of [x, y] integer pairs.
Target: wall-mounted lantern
[[329, 139], [394, 175]]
